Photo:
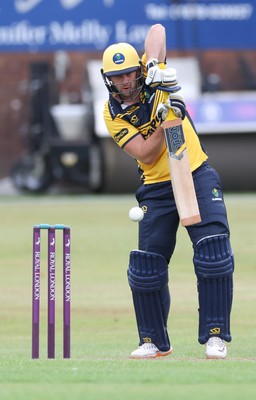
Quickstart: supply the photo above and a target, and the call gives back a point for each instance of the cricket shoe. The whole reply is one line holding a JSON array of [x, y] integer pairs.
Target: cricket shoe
[[216, 348], [149, 350]]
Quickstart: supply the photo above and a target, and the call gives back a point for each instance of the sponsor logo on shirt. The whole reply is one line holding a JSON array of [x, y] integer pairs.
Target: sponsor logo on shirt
[[120, 135]]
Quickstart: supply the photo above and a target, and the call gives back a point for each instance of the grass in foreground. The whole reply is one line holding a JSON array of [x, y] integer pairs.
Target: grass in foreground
[[103, 324]]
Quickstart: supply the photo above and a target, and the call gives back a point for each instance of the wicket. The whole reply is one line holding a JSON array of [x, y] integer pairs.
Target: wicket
[[51, 289]]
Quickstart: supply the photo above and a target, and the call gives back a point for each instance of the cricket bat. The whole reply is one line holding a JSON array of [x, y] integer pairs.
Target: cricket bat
[[181, 176]]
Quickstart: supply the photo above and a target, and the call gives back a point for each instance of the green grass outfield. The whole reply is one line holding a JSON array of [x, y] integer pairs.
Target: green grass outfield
[[103, 325]]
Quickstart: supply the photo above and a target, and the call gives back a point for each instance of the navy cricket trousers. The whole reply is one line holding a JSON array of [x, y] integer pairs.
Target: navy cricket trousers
[[158, 229]]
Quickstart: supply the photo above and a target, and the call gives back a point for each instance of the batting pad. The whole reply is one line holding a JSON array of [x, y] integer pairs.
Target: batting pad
[[148, 279], [214, 266]]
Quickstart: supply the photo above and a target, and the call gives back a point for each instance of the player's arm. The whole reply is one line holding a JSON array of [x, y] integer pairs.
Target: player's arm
[[155, 52], [147, 151], [155, 43], [129, 138]]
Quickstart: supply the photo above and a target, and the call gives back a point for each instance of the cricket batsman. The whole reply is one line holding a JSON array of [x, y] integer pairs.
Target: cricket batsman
[[134, 114]]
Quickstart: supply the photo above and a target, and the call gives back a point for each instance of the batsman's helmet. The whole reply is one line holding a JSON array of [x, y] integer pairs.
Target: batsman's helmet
[[120, 58]]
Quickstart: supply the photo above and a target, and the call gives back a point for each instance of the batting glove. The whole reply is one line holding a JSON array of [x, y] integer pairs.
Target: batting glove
[[175, 102], [157, 76]]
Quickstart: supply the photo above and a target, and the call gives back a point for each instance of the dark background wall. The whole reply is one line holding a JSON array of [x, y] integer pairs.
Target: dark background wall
[[236, 69]]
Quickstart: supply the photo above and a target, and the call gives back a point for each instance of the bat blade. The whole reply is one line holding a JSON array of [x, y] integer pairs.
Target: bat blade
[[181, 176]]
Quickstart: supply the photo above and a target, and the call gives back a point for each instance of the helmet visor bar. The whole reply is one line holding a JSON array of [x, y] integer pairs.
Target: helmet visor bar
[[121, 72]]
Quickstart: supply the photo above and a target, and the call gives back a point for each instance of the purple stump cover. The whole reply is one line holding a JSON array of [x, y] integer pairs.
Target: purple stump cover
[[66, 293], [36, 292], [51, 293]]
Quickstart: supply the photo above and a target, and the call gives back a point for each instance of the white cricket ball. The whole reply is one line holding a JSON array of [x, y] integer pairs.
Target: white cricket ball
[[136, 214]]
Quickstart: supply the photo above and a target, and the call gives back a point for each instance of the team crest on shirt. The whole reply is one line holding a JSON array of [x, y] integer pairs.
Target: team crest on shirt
[[144, 96]]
